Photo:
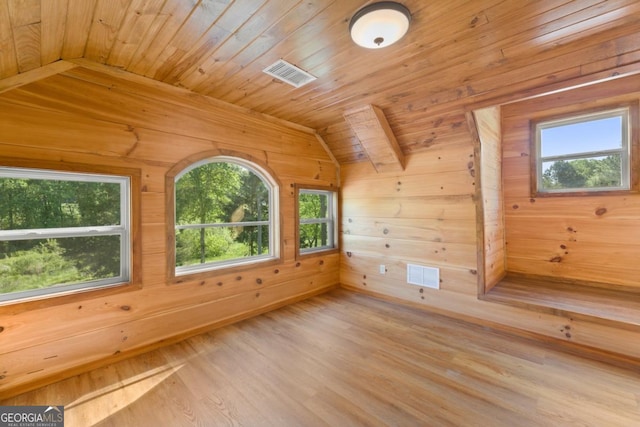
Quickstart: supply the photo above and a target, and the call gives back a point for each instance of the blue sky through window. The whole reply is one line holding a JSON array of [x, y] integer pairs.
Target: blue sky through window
[[582, 137]]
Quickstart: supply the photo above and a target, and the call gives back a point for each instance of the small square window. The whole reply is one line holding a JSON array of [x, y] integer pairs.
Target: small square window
[[583, 153]]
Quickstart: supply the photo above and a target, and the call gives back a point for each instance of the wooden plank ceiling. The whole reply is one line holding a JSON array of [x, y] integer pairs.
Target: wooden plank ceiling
[[457, 52]]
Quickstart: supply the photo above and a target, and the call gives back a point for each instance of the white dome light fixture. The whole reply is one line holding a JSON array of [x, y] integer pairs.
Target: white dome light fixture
[[379, 24]]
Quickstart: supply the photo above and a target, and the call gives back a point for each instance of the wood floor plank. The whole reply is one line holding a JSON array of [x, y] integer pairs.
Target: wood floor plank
[[346, 359]]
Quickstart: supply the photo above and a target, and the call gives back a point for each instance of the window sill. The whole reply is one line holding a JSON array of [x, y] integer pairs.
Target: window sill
[[615, 306], [316, 253]]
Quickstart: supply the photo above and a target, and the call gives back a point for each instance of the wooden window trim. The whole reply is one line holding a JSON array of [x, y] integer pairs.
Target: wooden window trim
[[319, 252], [634, 152], [170, 176], [135, 276]]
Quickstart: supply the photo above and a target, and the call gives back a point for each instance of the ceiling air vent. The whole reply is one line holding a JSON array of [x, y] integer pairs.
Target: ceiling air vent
[[289, 73]]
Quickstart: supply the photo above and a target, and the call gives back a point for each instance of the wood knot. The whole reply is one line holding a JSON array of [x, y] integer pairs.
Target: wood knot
[[298, 264], [276, 271], [321, 262], [385, 231], [556, 259], [515, 206], [563, 246], [349, 254], [125, 307], [601, 211], [257, 294], [219, 283], [532, 200], [386, 245], [1, 328], [259, 281], [238, 278], [202, 283]]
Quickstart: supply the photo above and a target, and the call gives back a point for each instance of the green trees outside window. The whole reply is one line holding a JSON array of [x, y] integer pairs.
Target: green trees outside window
[[598, 172], [317, 216], [225, 214], [61, 231]]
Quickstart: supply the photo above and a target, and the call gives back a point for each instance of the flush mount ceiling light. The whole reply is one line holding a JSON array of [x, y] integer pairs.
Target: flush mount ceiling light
[[379, 24]]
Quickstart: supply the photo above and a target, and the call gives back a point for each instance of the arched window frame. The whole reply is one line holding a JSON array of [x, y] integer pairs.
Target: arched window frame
[[181, 274]]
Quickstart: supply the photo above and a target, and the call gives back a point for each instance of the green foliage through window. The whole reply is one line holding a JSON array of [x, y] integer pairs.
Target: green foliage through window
[[599, 172], [316, 213], [224, 214], [60, 231]]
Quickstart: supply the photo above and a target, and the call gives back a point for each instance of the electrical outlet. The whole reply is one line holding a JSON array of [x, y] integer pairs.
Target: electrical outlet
[[382, 269]]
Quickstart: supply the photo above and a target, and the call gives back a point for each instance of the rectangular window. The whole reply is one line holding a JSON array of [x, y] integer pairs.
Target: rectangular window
[[317, 213], [583, 153], [62, 232]]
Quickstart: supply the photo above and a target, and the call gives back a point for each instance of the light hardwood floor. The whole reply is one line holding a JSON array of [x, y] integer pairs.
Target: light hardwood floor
[[343, 359]]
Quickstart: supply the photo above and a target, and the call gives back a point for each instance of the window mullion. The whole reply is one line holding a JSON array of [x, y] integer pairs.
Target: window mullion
[[585, 155], [315, 221], [55, 233], [221, 224]]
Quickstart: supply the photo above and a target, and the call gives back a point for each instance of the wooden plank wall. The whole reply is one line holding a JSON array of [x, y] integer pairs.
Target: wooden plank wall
[[86, 116], [426, 215], [487, 121], [592, 238]]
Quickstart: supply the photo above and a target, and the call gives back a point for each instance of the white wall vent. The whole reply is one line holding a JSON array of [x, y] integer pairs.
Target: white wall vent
[[428, 277], [289, 73]]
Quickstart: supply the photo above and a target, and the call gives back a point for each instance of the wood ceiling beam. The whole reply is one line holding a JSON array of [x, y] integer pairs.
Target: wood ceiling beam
[[34, 75], [372, 129]]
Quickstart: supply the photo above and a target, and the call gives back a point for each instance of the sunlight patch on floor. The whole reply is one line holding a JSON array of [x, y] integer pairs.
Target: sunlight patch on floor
[[94, 407]]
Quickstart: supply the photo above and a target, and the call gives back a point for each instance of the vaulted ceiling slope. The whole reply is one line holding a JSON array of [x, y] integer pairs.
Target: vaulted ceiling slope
[[457, 53]]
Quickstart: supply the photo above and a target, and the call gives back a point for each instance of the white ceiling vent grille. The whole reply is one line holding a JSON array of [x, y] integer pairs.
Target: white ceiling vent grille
[[289, 73]]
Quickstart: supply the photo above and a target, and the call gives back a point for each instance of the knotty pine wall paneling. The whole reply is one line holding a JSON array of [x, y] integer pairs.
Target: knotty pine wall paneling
[[592, 238], [84, 116], [426, 215], [487, 123]]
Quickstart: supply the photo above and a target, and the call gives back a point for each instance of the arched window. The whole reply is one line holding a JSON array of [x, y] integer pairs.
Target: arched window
[[226, 214]]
